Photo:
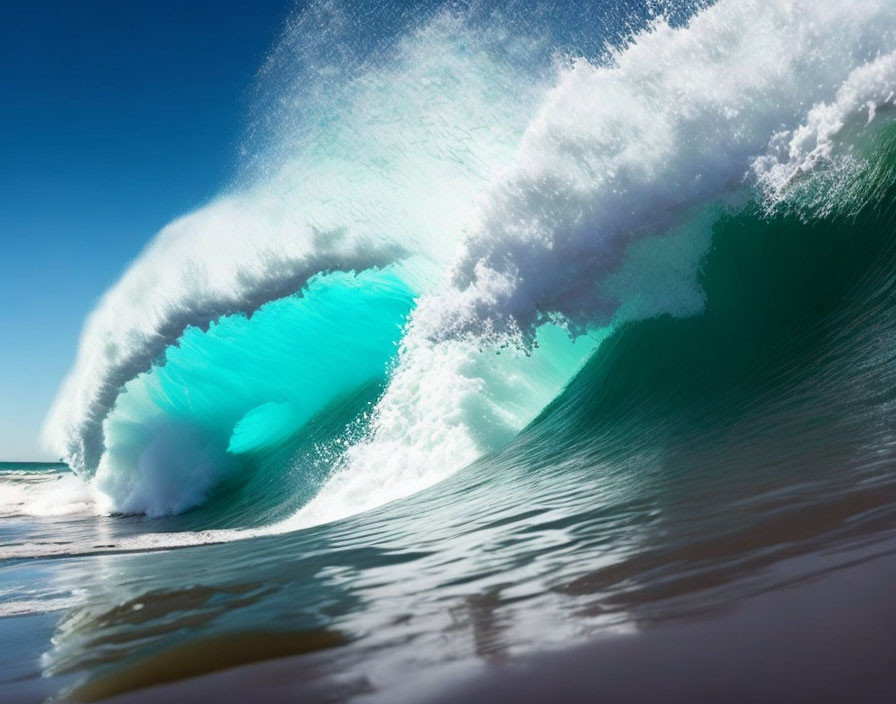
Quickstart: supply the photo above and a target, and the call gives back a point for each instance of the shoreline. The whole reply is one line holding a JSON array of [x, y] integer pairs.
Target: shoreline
[[828, 639]]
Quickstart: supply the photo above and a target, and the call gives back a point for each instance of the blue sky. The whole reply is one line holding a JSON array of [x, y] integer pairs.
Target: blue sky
[[115, 117]]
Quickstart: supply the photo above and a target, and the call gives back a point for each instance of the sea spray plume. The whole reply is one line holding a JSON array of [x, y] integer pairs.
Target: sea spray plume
[[332, 46]]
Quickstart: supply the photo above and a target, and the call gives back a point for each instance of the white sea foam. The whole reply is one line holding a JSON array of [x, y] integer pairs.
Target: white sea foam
[[44, 494]]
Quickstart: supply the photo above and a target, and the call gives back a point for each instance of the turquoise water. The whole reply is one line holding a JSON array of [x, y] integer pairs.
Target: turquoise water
[[224, 399]]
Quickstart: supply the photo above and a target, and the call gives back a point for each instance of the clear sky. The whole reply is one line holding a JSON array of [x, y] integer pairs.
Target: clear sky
[[115, 117]]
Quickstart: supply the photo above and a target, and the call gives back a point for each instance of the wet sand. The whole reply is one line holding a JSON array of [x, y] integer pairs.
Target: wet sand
[[832, 639], [829, 641]]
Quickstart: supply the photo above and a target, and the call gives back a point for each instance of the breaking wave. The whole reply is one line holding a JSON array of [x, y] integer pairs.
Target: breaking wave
[[439, 231]]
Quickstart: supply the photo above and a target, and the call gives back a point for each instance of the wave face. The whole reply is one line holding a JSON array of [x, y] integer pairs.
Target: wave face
[[462, 238]]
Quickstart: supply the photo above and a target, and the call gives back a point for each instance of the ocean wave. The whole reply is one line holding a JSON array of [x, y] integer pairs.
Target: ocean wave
[[522, 227]]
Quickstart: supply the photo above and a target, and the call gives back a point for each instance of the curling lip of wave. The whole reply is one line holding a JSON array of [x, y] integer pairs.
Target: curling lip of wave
[[83, 449], [616, 154]]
